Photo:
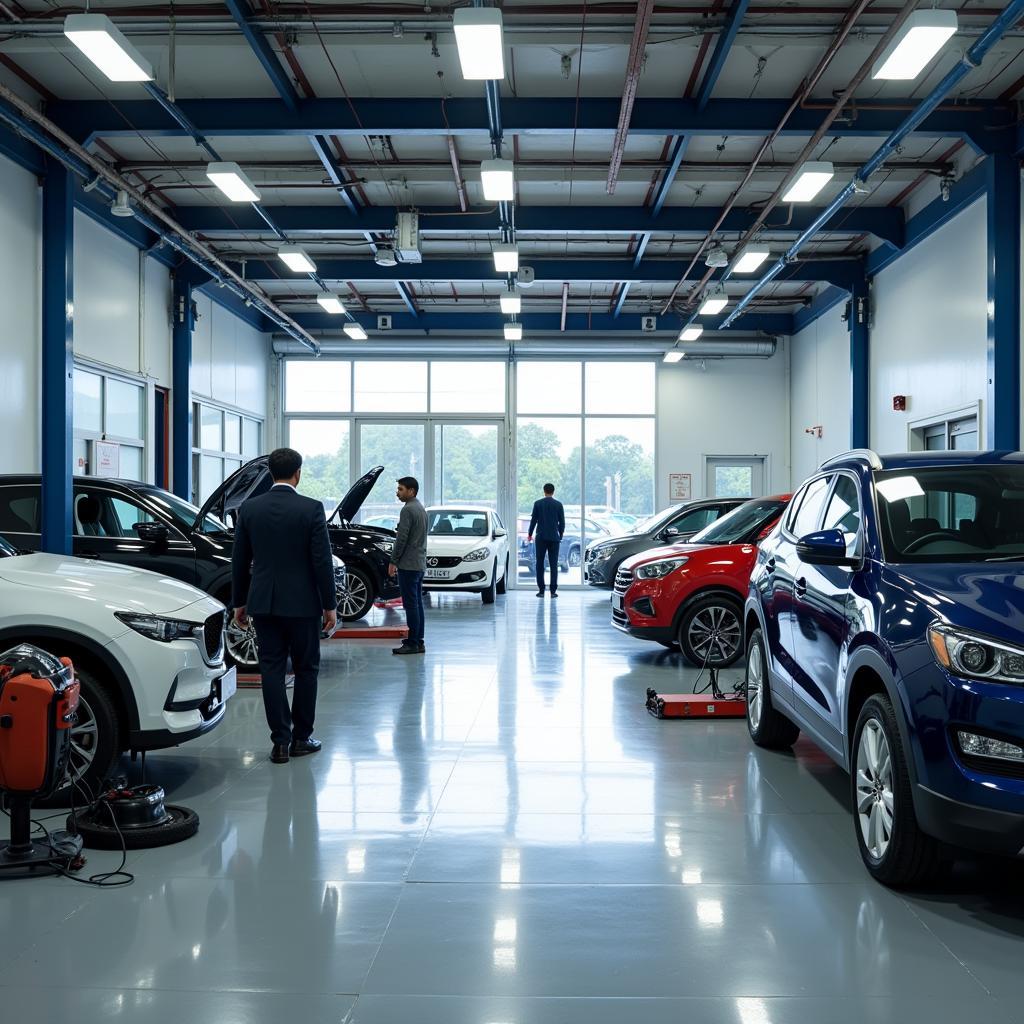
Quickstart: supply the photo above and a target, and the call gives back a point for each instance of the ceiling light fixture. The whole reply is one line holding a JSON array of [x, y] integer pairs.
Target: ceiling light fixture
[[674, 356], [714, 303], [355, 331], [716, 257], [511, 303], [690, 333], [231, 180], [498, 180], [106, 46], [813, 177], [506, 259], [751, 258], [479, 40], [921, 37], [121, 206], [513, 332], [296, 258], [330, 303]]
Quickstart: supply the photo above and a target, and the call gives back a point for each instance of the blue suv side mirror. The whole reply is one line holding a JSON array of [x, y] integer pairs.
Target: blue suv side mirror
[[827, 547]]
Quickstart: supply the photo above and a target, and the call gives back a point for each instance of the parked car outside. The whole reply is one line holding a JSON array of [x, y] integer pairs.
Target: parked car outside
[[384, 522], [670, 526], [128, 523], [690, 596], [148, 651], [886, 620], [570, 551], [467, 549]]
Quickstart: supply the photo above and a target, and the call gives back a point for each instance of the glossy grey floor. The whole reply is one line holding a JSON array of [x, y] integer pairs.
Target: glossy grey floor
[[498, 833]]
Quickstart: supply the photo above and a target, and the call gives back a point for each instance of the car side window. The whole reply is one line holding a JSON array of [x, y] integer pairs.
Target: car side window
[[843, 511], [694, 520], [809, 512], [19, 509], [100, 514]]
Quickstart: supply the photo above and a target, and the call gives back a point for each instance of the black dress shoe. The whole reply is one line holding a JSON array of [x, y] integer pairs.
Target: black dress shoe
[[279, 755], [300, 748], [406, 648], [540, 593]]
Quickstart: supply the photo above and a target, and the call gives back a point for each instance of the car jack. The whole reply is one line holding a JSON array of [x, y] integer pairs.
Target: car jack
[[710, 703]]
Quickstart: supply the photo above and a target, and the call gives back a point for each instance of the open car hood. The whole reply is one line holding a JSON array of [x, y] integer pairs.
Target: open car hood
[[252, 479], [350, 505]]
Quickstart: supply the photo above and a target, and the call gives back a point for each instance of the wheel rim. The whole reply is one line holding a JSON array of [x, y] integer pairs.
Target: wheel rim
[[714, 634], [755, 686], [241, 643], [874, 789], [85, 735], [353, 599]]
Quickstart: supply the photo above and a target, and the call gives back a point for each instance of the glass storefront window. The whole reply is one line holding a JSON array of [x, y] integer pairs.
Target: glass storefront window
[[324, 447], [232, 433], [467, 387], [549, 387], [88, 401], [211, 431], [123, 409], [393, 386], [618, 389], [250, 439], [321, 385]]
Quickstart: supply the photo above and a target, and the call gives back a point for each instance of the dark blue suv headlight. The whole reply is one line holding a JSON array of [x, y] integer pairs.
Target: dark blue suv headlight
[[974, 656]]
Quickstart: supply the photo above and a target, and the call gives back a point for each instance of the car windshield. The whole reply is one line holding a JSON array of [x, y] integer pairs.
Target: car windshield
[[6, 549], [652, 523], [185, 512], [458, 523], [961, 513], [742, 525]]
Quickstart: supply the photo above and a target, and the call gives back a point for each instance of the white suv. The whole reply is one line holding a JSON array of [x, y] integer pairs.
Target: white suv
[[148, 651]]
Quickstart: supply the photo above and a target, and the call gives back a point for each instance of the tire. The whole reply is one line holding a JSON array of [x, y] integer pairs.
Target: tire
[[241, 648], [894, 849], [183, 825], [503, 582], [767, 727], [710, 631], [488, 594], [359, 597], [575, 558]]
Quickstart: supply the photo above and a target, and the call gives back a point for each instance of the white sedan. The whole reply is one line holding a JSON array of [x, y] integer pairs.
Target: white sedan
[[467, 549]]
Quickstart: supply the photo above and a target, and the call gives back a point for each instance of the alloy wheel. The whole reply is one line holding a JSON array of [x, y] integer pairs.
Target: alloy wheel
[[241, 643], [714, 634], [353, 599], [755, 686], [85, 737], [874, 789]]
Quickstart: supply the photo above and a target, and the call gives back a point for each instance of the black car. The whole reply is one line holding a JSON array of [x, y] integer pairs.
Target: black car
[[150, 528], [670, 526]]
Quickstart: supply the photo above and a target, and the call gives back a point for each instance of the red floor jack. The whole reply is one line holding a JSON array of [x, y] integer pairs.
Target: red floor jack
[[711, 703], [38, 704]]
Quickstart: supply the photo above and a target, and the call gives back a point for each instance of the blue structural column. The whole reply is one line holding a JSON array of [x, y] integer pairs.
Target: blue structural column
[[57, 357], [1004, 210], [860, 385], [181, 384]]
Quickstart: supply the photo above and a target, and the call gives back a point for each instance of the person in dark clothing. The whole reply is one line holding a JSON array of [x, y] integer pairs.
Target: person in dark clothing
[[283, 578], [409, 562], [548, 522]]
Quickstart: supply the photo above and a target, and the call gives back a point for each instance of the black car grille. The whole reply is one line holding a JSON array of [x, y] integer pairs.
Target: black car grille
[[213, 635], [448, 562], [623, 580]]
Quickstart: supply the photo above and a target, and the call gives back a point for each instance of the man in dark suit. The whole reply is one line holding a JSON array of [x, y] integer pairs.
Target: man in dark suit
[[548, 522], [283, 577]]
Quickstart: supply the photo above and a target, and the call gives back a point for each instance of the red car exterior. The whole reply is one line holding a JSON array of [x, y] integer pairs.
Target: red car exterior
[[691, 595]]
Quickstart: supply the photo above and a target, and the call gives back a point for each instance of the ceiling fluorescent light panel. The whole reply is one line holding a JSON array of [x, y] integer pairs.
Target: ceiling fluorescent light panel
[[231, 180], [506, 259], [296, 258], [751, 259], [813, 177], [478, 36], [331, 303], [690, 333], [497, 177], [923, 34], [106, 46], [355, 331]]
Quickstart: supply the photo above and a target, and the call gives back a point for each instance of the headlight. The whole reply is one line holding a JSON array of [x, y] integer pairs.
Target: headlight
[[477, 556], [387, 546], [601, 554], [658, 570], [157, 628], [976, 657]]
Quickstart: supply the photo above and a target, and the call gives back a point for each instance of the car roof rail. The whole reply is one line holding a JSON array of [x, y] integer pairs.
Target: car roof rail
[[865, 454]]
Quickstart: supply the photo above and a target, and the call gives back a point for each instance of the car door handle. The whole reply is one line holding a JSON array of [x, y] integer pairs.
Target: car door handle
[[800, 587], [769, 566]]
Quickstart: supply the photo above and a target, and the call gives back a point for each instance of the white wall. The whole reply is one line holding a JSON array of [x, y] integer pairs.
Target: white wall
[[21, 257], [929, 336], [820, 382], [733, 407]]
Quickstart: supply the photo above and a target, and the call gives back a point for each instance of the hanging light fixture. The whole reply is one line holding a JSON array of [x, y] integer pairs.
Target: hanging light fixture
[[478, 36], [231, 180], [513, 332], [106, 46], [690, 333], [919, 39], [498, 180], [296, 258], [751, 258], [355, 331], [714, 303], [511, 302], [330, 303], [813, 177], [506, 259], [673, 355]]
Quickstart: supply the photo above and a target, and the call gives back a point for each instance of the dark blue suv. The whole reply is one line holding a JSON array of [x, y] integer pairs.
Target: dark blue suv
[[885, 619]]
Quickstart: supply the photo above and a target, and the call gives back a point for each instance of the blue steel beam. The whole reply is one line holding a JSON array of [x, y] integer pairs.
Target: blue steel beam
[[57, 357], [986, 125], [403, 290], [1004, 264], [620, 301], [826, 300], [860, 353], [884, 222]]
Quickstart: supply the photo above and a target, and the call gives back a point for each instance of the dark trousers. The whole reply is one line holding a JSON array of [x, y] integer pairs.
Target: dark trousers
[[410, 583], [280, 638], [549, 548]]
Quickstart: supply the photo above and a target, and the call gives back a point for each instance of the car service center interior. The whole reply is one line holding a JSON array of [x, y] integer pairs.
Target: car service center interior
[[742, 740]]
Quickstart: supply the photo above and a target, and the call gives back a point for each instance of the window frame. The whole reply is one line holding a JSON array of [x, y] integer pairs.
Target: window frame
[[140, 444], [796, 505], [199, 452]]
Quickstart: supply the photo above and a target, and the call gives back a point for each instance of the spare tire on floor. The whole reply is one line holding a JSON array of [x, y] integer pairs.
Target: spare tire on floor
[[135, 819]]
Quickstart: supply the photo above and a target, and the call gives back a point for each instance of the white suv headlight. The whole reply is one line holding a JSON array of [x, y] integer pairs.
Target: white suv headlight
[[158, 628], [976, 657], [477, 556], [658, 570]]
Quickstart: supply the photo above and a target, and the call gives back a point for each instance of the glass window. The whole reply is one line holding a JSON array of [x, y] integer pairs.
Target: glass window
[[211, 476], [734, 481], [392, 386], [743, 524], [232, 433], [843, 512], [211, 431], [250, 439], [619, 467], [547, 387], [324, 446], [123, 409], [318, 385], [696, 519], [88, 413], [620, 388], [19, 509], [466, 459], [126, 514], [130, 463], [806, 519], [467, 387], [400, 448]]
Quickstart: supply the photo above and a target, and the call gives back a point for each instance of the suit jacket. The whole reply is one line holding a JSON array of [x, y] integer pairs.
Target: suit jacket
[[410, 550], [282, 564], [548, 519]]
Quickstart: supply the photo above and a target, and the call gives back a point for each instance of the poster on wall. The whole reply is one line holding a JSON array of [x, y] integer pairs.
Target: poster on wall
[[679, 487], [106, 459]]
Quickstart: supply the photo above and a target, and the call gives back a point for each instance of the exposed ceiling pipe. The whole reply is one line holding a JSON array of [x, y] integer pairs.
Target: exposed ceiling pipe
[[460, 184], [39, 129], [967, 63], [634, 65], [801, 94], [565, 303]]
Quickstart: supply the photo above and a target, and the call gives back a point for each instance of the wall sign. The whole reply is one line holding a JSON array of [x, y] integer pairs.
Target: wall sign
[[106, 459], [680, 487]]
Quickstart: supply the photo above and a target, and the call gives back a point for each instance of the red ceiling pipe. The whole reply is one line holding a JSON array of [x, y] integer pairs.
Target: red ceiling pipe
[[644, 10]]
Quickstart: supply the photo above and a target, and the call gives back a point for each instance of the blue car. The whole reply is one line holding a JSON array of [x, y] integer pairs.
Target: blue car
[[885, 620]]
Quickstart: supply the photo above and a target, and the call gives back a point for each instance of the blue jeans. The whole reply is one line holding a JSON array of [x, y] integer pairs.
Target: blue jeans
[[410, 583]]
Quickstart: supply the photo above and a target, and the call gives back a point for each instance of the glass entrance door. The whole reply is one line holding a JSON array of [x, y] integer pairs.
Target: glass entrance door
[[468, 465], [401, 449]]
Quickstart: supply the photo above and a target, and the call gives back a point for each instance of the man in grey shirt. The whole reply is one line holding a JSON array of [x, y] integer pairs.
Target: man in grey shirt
[[409, 562]]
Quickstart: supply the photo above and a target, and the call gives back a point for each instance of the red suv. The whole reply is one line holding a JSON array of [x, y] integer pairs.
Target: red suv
[[690, 596]]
